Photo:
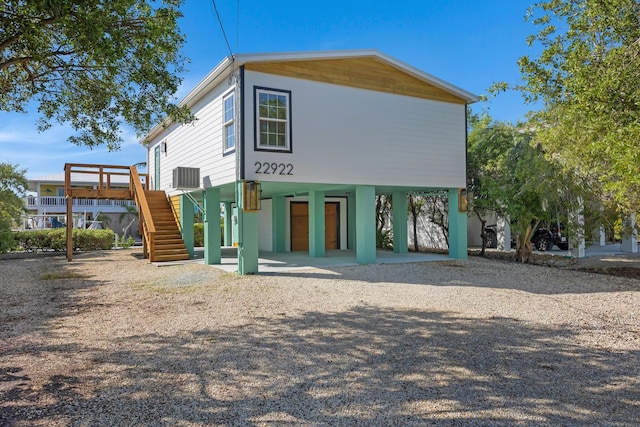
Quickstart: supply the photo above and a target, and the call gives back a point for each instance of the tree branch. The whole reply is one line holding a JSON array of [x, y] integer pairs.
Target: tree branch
[[10, 41]]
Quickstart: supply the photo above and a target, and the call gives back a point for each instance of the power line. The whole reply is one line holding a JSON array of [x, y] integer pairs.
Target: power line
[[238, 26], [215, 8]]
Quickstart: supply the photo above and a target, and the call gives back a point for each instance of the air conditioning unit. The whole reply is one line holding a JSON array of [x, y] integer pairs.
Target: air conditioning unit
[[186, 177]]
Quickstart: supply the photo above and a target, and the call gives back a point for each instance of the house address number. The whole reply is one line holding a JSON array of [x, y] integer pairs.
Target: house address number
[[274, 168]]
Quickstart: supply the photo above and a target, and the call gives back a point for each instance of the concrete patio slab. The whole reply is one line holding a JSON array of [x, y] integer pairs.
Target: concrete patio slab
[[272, 262]]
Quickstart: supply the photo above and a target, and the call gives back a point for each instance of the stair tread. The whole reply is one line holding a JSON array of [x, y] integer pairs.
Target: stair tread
[[168, 243], [167, 258]]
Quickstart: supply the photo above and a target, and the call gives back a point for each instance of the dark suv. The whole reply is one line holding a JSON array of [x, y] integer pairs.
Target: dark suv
[[543, 239]]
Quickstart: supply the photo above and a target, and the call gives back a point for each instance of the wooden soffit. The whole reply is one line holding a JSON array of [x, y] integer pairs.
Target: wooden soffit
[[362, 73]]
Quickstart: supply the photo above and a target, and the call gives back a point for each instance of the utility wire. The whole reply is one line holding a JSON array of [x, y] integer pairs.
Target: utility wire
[[215, 8], [238, 26]]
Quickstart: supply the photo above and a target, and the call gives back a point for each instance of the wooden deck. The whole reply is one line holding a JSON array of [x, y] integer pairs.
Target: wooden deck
[[162, 240]]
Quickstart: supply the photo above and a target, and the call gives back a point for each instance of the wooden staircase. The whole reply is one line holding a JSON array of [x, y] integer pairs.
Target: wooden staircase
[[161, 236], [167, 243]]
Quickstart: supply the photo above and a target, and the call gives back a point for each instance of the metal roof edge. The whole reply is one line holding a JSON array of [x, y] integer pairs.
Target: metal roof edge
[[194, 94], [430, 78]]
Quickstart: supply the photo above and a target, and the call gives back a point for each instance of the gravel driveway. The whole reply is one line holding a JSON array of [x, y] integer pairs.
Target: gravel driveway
[[110, 340]]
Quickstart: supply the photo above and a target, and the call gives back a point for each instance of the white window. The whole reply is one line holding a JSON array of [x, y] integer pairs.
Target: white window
[[273, 124], [229, 143], [156, 167]]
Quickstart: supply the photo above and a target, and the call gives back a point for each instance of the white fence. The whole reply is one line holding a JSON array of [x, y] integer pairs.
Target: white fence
[[46, 222], [34, 202]]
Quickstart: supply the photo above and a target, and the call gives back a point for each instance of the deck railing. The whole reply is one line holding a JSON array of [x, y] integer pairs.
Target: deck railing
[[34, 202], [147, 227], [104, 191]]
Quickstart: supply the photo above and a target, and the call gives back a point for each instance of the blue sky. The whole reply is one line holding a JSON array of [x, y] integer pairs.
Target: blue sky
[[469, 43]]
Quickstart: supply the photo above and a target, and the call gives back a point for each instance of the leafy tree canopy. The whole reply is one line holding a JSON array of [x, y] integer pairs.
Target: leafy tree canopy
[[510, 174], [588, 80], [13, 186], [92, 63]]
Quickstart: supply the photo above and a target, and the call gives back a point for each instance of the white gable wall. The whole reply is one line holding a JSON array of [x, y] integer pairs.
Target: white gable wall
[[356, 136], [197, 144]]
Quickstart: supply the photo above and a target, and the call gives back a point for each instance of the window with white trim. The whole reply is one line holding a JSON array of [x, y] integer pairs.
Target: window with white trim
[[273, 124], [229, 143]]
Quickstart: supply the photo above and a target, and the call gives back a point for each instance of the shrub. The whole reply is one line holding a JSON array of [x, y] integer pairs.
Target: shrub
[[34, 240], [7, 241], [92, 240], [56, 239], [126, 243], [198, 233], [384, 239]]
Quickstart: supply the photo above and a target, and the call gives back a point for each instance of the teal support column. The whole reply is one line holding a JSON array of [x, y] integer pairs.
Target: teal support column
[[186, 223], [351, 221], [228, 224], [248, 229], [278, 223], [457, 227], [365, 224], [212, 249], [400, 228], [316, 224]]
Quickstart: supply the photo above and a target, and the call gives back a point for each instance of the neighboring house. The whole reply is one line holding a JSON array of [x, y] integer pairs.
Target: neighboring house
[[47, 206], [297, 145]]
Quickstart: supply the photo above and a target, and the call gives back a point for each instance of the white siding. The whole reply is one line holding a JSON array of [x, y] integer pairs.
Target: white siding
[[355, 136], [430, 235], [198, 144], [265, 238]]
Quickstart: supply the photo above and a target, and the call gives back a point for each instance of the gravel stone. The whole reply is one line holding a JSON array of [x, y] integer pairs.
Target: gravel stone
[[481, 342]]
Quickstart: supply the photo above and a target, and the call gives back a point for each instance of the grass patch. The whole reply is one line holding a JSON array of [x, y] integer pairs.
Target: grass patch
[[62, 275]]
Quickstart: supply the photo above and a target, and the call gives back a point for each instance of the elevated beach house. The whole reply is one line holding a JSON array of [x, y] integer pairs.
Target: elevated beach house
[[292, 149], [46, 204]]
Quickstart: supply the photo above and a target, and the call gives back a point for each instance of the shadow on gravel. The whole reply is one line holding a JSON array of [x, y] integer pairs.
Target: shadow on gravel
[[44, 290], [368, 366], [534, 279]]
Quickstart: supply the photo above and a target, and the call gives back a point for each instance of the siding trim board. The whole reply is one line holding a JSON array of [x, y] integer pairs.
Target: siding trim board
[[242, 146]]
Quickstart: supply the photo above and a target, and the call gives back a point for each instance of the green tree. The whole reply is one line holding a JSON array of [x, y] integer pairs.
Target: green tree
[[486, 154], [13, 186], [384, 238], [94, 64], [416, 208], [510, 175], [130, 214], [587, 78]]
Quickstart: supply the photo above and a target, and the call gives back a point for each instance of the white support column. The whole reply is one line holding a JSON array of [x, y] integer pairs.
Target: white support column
[[577, 246], [600, 236], [503, 229], [630, 234]]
